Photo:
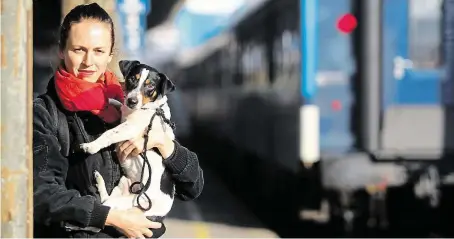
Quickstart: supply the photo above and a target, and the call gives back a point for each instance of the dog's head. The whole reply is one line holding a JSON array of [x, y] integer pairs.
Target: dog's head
[[143, 83]]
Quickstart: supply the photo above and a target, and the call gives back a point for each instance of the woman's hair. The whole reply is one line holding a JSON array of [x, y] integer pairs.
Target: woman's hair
[[83, 12]]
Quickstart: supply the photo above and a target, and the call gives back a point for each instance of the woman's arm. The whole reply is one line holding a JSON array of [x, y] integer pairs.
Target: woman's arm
[[185, 168], [182, 163], [53, 202]]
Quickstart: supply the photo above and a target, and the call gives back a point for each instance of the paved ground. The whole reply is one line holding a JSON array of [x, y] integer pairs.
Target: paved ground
[[215, 214]]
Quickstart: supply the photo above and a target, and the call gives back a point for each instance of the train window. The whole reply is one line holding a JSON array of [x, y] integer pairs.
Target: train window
[[235, 50], [334, 46], [286, 57], [228, 68], [245, 62], [254, 50], [219, 71], [286, 48], [262, 73], [425, 36], [212, 67], [277, 61], [232, 50], [255, 64]]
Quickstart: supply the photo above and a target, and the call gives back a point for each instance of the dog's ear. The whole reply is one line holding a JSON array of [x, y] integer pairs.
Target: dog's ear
[[165, 85], [126, 66]]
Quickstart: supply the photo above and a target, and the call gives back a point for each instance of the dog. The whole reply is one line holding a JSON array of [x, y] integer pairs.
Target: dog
[[146, 90]]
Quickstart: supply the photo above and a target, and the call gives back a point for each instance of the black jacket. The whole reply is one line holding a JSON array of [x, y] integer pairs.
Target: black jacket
[[64, 189]]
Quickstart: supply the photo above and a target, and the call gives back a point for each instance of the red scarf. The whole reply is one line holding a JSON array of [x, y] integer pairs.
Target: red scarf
[[79, 95]]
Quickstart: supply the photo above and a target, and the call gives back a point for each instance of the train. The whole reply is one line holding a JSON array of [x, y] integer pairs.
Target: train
[[328, 107]]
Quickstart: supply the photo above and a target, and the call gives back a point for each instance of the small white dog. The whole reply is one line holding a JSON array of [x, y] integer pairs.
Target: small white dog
[[145, 103]]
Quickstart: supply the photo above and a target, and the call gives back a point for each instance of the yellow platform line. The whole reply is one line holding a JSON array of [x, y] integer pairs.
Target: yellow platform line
[[201, 230]]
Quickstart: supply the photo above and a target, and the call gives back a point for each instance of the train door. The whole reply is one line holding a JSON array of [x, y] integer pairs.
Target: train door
[[412, 40], [414, 123]]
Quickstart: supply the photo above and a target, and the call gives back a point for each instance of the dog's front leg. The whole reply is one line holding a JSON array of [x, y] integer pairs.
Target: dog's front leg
[[125, 131], [101, 185]]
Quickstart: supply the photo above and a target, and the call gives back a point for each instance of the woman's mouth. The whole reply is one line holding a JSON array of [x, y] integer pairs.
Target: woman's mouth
[[85, 73]]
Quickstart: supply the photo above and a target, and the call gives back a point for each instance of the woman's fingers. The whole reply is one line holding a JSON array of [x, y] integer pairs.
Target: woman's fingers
[[125, 151], [147, 233]]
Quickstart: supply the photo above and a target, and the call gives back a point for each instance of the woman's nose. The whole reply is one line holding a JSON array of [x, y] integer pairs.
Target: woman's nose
[[88, 59]]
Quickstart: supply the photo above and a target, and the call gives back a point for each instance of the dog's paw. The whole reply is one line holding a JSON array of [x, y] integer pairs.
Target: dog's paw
[[97, 175], [99, 180], [90, 148], [101, 185]]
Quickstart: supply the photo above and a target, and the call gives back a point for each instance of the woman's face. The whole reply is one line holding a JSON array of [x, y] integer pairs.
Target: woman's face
[[87, 50]]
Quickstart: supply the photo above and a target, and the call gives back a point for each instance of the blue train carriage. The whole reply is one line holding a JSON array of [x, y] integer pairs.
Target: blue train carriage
[[289, 83], [397, 132]]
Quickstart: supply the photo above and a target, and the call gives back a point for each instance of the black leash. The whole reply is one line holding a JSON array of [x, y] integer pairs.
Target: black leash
[[143, 188]]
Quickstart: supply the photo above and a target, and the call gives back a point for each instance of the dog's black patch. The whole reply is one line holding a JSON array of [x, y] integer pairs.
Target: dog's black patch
[[167, 184]]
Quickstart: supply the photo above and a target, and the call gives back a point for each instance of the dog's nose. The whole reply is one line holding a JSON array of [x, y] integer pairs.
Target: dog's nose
[[132, 102]]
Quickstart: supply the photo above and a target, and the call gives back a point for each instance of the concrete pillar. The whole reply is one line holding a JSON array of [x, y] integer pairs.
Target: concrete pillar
[[16, 72]]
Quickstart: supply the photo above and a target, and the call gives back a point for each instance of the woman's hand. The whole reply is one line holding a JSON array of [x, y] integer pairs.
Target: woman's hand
[[129, 148], [134, 147], [132, 223]]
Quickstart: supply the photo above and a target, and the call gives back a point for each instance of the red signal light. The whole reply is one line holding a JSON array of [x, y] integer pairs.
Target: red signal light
[[347, 23]]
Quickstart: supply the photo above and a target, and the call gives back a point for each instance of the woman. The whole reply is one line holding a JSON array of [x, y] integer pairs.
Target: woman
[[65, 194]]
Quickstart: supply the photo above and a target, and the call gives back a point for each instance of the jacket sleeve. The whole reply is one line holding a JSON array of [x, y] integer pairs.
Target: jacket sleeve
[[53, 202], [185, 169]]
